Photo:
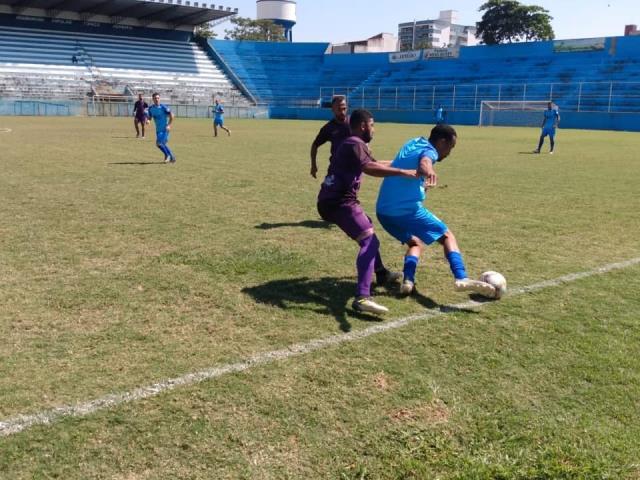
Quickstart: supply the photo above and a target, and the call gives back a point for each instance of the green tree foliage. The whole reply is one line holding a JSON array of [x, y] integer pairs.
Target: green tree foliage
[[510, 21], [204, 31], [260, 30]]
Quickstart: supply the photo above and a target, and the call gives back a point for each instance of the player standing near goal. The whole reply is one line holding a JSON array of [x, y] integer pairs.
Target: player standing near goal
[[401, 213], [218, 118], [163, 118], [338, 203], [549, 125], [140, 115], [335, 131]]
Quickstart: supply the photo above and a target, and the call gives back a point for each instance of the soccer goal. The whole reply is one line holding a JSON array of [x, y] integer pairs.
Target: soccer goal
[[511, 113]]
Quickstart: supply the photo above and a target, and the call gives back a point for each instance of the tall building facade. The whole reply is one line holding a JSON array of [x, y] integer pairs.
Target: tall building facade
[[439, 33]]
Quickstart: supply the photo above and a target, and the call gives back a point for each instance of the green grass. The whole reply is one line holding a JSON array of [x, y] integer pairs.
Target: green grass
[[118, 271]]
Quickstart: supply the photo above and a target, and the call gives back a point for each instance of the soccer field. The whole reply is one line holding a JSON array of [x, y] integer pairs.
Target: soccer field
[[193, 321]]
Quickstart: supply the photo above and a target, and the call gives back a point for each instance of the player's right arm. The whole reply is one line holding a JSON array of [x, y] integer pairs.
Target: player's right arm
[[320, 140], [377, 169]]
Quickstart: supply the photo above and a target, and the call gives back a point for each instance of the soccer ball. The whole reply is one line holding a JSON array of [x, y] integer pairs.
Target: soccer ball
[[497, 280]]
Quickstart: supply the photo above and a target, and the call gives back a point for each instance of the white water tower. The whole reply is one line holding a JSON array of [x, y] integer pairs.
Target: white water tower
[[282, 12]]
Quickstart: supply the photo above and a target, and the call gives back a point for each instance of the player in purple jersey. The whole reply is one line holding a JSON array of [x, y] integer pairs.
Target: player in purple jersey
[[140, 115], [338, 203], [334, 131]]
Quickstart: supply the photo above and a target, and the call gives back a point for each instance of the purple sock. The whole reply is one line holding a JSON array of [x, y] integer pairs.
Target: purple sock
[[365, 262]]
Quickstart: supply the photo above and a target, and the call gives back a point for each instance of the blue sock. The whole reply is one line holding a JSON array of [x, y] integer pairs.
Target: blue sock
[[410, 265], [163, 149], [457, 265], [169, 152]]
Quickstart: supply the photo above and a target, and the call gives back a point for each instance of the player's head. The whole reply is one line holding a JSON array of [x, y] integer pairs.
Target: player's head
[[443, 138], [339, 107], [156, 98], [140, 96], [362, 125], [217, 101], [550, 105]]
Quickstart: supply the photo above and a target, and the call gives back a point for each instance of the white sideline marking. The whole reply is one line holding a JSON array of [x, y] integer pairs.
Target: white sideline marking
[[5, 130], [19, 423]]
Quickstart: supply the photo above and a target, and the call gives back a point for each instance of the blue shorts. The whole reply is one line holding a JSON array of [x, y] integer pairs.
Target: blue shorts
[[422, 224], [551, 131], [218, 122], [162, 137]]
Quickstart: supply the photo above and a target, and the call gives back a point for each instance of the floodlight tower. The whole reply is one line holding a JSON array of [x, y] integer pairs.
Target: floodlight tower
[[282, 12]]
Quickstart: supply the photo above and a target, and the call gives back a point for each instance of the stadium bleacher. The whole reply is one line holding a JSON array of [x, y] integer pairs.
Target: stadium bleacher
[[181, 71]]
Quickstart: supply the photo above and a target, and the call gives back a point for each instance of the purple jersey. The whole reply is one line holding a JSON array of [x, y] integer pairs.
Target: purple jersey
[[334, 132], [342, 182], [140, 108]]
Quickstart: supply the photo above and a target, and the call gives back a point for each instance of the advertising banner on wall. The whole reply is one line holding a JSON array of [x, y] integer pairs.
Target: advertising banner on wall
[[578, 45], [409, 56], [440, 53]]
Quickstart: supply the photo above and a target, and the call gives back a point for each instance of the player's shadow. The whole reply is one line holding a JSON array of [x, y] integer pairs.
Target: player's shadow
[[430, 304], [138, 163], [326, 296], [528, 153], [303, 223]]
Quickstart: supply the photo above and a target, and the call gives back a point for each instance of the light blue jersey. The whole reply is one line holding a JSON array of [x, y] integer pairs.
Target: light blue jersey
[[401, 196], [160, 114], [550, 117], [218, 117]]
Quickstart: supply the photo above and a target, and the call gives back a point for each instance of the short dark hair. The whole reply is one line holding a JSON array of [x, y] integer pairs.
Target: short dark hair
[[359, 116], [440, 132], [338, 99], [155, 94]]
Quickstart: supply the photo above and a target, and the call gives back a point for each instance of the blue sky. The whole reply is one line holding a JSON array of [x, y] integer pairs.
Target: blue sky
[[338, 21]]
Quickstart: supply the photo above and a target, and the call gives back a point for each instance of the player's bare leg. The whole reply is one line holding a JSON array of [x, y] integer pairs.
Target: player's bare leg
[[135, 124]]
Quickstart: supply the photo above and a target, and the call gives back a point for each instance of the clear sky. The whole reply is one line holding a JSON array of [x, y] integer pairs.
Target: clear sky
[[339, 21]]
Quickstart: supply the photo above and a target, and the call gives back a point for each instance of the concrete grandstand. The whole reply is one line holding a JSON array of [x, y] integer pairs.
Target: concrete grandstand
[[74, 49]]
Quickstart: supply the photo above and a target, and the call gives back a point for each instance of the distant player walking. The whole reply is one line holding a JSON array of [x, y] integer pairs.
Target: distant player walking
[[140, 115], [402, 214], [218, 118], [549, 125], [338, 203], [334, 131], [441, 115], [163, 118]]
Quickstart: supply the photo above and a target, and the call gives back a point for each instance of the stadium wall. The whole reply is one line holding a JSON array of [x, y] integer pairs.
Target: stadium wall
[[574, 120]]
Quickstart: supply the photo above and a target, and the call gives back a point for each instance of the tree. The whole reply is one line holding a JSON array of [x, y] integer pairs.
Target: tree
[[204, 31], [509, 21], [249, 29]]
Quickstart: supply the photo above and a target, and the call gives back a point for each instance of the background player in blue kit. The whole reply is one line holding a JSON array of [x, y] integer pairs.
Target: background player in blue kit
[[218, 118], [402, 214], [163, 118], [549, 124]]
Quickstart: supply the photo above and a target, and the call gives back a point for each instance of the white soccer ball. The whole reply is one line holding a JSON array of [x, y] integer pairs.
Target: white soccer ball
[[497, 280]]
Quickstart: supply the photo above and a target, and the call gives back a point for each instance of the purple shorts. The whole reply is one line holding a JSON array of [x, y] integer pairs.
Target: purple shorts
[[349, 217], [141, 119]]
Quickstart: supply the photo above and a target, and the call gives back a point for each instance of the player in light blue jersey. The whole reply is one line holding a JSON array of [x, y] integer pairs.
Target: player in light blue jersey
[[401, 213], [549, 125], [218, 118], [163, 118]]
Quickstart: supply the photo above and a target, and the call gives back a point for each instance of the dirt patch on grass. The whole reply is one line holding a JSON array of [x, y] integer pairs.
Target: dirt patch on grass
[[434, 413]]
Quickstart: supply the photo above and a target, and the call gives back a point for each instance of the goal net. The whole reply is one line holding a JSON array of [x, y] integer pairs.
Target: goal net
[[512, 113]]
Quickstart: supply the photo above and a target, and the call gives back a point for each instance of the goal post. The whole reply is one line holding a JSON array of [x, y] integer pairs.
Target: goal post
[[496, 113]]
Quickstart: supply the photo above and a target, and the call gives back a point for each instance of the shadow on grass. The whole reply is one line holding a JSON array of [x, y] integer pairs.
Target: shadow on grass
[[138, 163], [430, 304], [530, 152], [327, 296], [303, 223], [331, 296]]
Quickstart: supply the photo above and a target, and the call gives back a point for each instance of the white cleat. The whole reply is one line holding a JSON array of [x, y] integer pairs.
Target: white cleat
[[407, 287], [551, 152], [364, 304], [475, 286]]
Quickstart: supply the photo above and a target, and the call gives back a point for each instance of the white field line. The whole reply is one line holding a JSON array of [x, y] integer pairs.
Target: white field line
[[19, 423], [5, 130]]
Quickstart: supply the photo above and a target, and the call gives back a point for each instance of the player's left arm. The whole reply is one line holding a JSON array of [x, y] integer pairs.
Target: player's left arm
[[557, 118], [170, 120]]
